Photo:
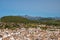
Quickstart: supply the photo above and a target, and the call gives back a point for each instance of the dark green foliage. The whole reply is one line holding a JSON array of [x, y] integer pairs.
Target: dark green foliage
[[14, 19], [17, 19]]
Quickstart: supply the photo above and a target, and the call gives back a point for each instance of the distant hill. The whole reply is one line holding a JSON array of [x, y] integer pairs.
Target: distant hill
[[18, 19], [14, 19], [30, 19], [42, 20]]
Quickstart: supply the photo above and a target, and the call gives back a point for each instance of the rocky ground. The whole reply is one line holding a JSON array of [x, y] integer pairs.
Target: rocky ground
[[29, 34]]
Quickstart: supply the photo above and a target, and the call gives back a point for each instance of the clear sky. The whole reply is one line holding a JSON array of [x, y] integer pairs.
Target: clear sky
[[44, 8]]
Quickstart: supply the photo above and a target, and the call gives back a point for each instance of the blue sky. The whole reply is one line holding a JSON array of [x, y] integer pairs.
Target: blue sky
[[44, 8]]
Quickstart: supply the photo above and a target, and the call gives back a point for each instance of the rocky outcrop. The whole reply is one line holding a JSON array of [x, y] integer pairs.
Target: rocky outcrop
[[29, 34]]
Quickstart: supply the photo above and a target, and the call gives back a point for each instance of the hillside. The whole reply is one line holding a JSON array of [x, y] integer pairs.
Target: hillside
[[14, 19], [28, 19]]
